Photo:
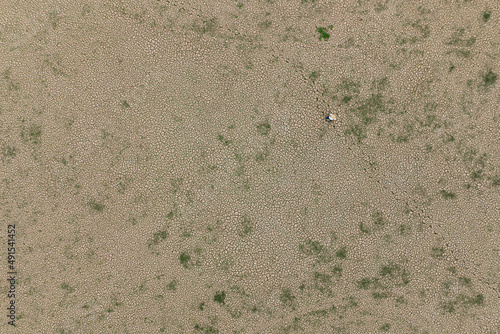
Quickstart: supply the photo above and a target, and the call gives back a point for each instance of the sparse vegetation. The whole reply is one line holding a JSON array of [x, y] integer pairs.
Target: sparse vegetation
[[99, 207], [33, 133], [172, 286], [486, 15], [219, 297], [157, 237], [323, 33], [224, 141], [219, 159], [67, 287], [246, 226], [437, 252], [263, 128], [341, 253], [287, 299], [447, 194], [489, 78], [378, 218], [385, 327], [185, 259], [311, 247]]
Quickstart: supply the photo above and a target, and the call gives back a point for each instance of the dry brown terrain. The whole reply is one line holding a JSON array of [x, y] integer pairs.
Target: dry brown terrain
[[169, 169]]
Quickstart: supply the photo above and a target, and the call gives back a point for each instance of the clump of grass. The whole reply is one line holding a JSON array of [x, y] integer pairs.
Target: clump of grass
[[176, 184], [341, 253], [366, 283], [172, 286], [437, 252], [369, 109], [9, 151], [313, 76], [378, 218], [385, 327], [67, 287], [33, 134], [185, 259], [490, 78], [486, 15], [246, 226], [447, 195], [357, 131], [287, 298], [263, 128], [157, 236], [219, 297], [311, 247], [99, 207], [224, 141], [323, 33]]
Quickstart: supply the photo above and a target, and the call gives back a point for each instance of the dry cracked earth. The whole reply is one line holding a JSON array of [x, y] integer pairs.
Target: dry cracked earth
[[166, 166]]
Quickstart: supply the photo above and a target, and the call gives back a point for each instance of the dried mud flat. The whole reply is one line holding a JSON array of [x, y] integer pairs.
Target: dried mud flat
[[168, 167]]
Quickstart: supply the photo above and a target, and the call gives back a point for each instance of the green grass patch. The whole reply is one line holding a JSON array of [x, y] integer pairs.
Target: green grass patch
[[286, 298], [368, 110], [341, 253], [357, 131], [9, 151], [447, 195], [33, 133], [390, 270], [172, 286], [380, 295], [176, 184], [378, 218], [495, 180], [96, 206], [263, 128], [157, 237], [223, 140], [385, 327], [363, 228], [323, 33], [185, 259], [311, 247], [437, 252], [246, 226], [68, 288], [486, 15], [489, 78], [366, 283], [337, 270], [313, 76], [220, 297]]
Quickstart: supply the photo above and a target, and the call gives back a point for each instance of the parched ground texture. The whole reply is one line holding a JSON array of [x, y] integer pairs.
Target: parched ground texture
[[169, 168]]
